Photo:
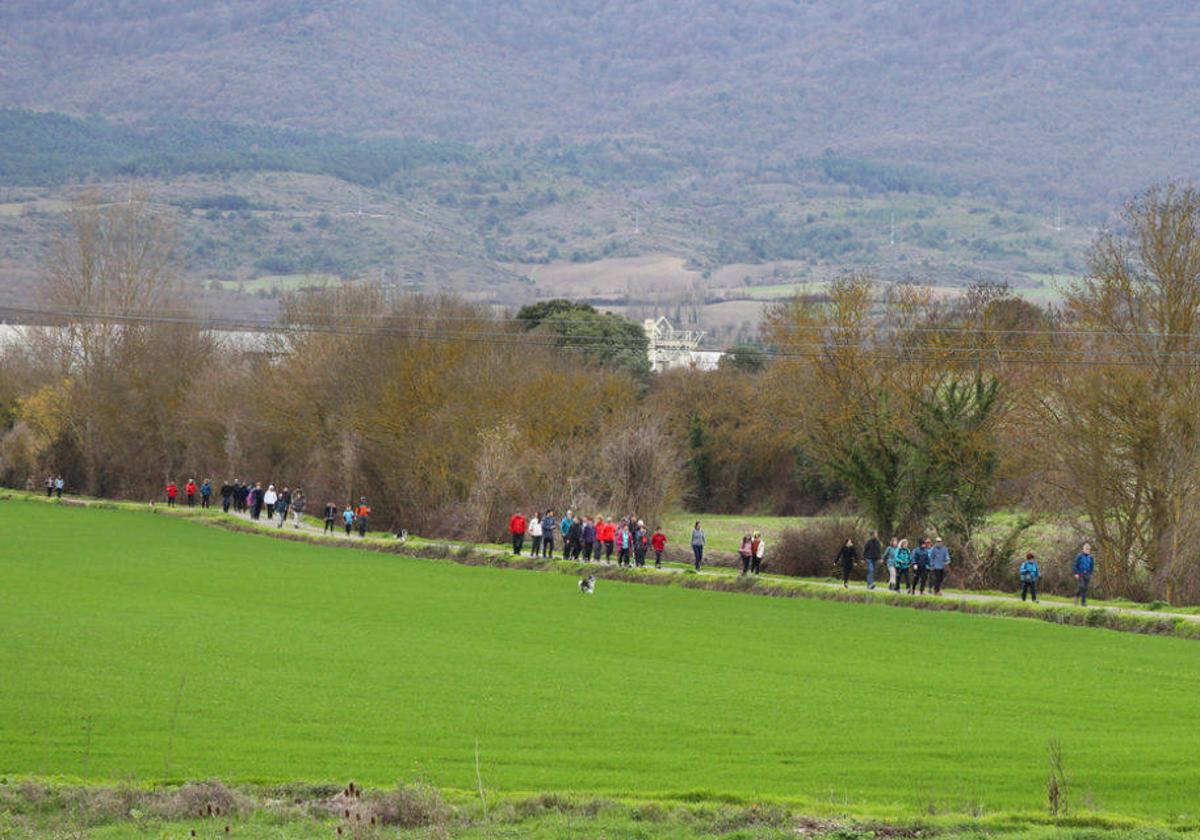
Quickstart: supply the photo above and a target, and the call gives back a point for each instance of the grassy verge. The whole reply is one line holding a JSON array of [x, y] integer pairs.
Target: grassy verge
[[32, 809], [1103, 614]]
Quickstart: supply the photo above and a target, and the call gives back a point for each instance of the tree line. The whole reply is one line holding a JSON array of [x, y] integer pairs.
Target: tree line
[[919, 413]]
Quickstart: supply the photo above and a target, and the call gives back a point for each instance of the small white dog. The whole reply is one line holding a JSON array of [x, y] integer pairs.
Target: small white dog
[[587, 585]]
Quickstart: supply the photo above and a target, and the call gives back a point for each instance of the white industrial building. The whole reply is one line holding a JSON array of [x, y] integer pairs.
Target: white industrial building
[[668, 347]]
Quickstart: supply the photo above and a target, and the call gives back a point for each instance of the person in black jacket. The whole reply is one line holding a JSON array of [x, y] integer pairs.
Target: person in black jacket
[[846, 558], [872, 552], [226, 495], [575, 538]]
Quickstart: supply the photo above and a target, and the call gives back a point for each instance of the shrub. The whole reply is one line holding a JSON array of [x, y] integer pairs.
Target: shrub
[[410, 806], [810, 551], [211, 798]]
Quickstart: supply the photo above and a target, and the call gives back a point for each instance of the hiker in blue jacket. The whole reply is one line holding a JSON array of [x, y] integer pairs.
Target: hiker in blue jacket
[[564, 528], [549, 528], [920, 566], [1030, 573], [939, 559], [1084, 566]]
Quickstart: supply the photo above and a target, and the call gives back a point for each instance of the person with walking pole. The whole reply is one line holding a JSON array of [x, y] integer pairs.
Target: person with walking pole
[[872, 554], [698, 544], [1030, 575], [846, 557], [1084, 566]]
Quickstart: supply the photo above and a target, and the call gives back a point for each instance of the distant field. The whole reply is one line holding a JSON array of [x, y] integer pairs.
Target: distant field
[[282, 282], [145, 647]]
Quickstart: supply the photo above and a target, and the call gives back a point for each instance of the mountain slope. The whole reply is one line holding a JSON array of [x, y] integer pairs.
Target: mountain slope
[[1072, 102]]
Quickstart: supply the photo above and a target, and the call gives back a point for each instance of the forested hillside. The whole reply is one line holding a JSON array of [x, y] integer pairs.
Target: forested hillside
[[1048, 101]]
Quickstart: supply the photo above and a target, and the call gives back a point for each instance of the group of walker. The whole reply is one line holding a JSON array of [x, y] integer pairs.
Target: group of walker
[[926, 565]]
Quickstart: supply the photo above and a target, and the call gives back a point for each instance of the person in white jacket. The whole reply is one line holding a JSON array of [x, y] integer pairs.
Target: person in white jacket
[[269, 499], [760, 549], [534, 532]]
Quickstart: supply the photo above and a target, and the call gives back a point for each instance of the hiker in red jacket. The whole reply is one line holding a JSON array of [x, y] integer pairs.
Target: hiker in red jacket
[[517, 527], [172, 492], [190, 489], [658, 541]]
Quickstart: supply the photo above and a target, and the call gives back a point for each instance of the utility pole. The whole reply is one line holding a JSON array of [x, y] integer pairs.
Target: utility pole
[[892, 232]]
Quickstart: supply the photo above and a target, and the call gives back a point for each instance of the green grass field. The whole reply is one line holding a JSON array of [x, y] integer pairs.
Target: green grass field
[[145, 647]]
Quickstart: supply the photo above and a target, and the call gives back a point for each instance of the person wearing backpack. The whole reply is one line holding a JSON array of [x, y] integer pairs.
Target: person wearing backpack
[[1030, 573], [362, 517], [745, 552], [1084, 566], [903, 561]]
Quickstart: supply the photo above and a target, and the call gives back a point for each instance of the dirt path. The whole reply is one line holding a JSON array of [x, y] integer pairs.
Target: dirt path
[[313, 530]]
